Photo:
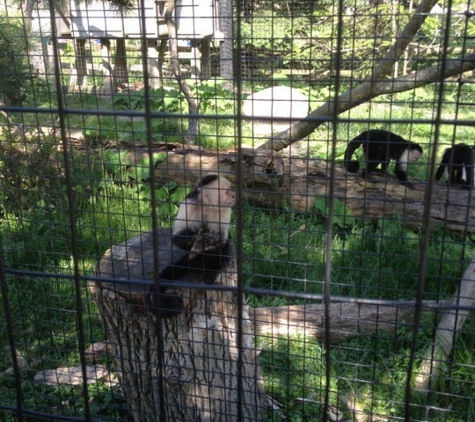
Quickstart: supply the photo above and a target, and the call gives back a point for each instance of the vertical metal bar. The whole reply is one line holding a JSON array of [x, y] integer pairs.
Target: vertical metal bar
[[70, 195], [426, 228], [11, 336], [331, 206], [239, 206], [153, 198]]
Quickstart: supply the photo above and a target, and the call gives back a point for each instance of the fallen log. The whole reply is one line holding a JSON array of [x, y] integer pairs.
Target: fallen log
[[346, 320], [448, 330], [133, 260], [272, 181]]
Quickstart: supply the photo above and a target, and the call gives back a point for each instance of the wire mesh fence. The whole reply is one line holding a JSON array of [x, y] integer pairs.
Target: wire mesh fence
[[230, 211]]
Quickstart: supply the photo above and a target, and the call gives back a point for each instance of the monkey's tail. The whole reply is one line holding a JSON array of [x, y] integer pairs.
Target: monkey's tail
[[352, 165]]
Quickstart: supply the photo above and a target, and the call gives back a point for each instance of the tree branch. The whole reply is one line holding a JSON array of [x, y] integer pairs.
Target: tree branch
[[426, 76], [362, 93], [193, 105]]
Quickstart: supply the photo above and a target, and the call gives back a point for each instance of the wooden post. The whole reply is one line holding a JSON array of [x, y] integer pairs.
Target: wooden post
[[153, 63], [106, 66], [209, 372], [120, 73], [81, 63], [205, 58]]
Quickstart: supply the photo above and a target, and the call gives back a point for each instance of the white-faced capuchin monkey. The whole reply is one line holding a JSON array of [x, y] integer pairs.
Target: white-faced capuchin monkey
[[459, 161], [380, 147], [201, 230], [203, 219]]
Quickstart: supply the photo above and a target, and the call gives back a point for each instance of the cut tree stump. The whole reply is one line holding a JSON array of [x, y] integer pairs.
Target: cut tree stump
[[200, 369]]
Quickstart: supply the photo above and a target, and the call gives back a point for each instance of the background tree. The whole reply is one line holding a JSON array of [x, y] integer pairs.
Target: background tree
[[225, 8], [15, 71], [380, 80]]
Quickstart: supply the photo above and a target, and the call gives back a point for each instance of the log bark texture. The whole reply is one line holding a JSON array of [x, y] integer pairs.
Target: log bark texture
[[208, 371], [346, 320], [272, 180], [448, 330]]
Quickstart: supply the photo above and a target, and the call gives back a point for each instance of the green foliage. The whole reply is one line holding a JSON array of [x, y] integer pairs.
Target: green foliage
[[105, 402], [15, 71], [141, 172], [282, 249], [289, 253], [115, 163], [342, 217], [294, 376], [33, 197], [256, 31], [307, 39], [214, 99], [367, 375], [44, 325]]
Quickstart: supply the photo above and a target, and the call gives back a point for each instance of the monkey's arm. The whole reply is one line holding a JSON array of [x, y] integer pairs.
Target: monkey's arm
[[207, 241], [185, 238], [202, 265], [401, 173], [440, 171]]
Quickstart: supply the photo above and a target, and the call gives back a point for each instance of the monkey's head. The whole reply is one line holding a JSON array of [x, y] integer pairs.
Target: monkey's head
[[414, 153], [216, 191]]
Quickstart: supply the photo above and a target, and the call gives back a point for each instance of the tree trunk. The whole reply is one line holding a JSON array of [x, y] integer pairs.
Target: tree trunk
[[226, 59], [81, 63], [378, 83], [346, 320], [202, 367], [162, 49], [120, 66], [205, 48], [153, 65], [107, 67], [193, 106]]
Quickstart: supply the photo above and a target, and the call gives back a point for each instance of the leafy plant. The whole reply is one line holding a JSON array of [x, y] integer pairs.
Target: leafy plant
[[342, 217], [141, 171], [15, 70]]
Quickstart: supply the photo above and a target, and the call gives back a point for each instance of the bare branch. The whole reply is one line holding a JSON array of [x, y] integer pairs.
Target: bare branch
[[426, 76], [362, 93], [193, 105], [403, 40]]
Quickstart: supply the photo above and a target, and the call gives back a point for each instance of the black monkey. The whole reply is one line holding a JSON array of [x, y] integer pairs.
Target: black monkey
[[201, 232], [380, 147], [459, 160]]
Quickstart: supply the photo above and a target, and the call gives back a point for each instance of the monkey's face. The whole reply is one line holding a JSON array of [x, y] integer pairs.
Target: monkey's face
[[228, 197], [218, 193], [414, 155]]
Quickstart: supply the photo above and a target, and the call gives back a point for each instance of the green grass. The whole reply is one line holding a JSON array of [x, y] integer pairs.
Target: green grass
[[368, 377], [283, 250]]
